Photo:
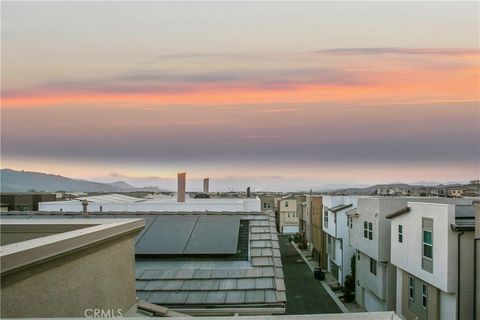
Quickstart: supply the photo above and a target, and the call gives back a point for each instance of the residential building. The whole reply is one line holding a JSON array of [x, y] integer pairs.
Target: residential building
[[199, 263], [118, 202], [25, 201], [434, 277], [336, 229], [455, 192], [267, 202], [319, 252], [304, 223], [370, 235], [289, 223], [476, 274], [68, 267]]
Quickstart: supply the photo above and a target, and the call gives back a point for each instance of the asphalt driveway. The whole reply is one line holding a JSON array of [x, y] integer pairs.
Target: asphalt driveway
[[305, 294]]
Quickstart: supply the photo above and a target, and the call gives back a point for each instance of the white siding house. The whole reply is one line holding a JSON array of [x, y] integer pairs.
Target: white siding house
[[434, 280], [336, 228]]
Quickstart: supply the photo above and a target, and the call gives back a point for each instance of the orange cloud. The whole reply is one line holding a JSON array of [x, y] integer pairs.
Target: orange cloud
[[409, 83]]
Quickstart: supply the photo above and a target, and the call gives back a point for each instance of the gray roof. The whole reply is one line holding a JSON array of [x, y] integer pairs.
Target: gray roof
[[256, 282], [340, 207], [464, 211], [194, 234]]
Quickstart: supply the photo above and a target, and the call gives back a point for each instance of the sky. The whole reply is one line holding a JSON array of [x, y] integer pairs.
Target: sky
[[273, 95]]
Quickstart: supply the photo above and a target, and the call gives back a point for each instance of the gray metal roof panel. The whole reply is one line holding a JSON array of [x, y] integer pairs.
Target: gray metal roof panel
[[215, 297], [246, 284], [214, 234], [166, 235], [227, 284], [464, 211], [255, 296], [209, 284], [176, 297], [235, 297], [196, 297]]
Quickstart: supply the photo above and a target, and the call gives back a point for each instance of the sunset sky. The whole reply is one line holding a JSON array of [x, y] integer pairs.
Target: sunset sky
[[276, 95]]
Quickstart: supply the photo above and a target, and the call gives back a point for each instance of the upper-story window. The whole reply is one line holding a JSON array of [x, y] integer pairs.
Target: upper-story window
[[427, 244], [325, 218], [264, 205], [400, 233], [373, 266], [286, 203], [334, 218], [368, 230]]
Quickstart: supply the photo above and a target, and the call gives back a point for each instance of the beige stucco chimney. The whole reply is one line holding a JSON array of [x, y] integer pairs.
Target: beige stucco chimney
[[181, 186], [206, 183], [84, 207]]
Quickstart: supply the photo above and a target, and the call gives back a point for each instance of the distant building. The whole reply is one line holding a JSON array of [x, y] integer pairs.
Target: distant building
[[25, 201], [121, 203], [434, 277], [289, 223], [455, 192]]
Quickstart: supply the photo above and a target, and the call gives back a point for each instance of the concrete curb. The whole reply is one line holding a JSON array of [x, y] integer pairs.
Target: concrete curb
[[324, 284]]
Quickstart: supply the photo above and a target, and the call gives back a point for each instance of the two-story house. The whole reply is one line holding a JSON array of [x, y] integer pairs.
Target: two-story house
[[370, 236], [336, 229], [432, 247], [289, 223]]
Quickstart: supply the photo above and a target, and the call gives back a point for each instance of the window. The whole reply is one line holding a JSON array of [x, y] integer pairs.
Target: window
[[334, 218], [288, 214], [424, 295], [400, 233], [325, 218], [411, 288], [367, 230], [264, 205], [286, 203], [351, 222], [427, 244], [373, 266]]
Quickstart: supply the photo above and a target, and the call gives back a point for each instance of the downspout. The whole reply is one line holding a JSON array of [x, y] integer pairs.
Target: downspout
[[475, 278], [458, 276]]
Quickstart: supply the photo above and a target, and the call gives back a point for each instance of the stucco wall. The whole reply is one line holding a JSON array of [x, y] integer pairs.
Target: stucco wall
[[102, 276]]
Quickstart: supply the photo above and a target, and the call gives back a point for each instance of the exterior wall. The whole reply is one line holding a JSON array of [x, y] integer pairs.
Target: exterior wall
[[407, 311], [318, 238], [288, 213], [25, 202], [102, 277], [444, 244], [445, 272], [267, 202], [477, 260], [338, 229], [226, 205], [375, 292]]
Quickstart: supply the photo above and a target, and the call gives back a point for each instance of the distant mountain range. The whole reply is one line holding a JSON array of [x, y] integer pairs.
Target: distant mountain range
[[23, 181]]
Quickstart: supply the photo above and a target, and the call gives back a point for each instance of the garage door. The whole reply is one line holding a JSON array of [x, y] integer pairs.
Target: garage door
[[290, 229], [370, 302]]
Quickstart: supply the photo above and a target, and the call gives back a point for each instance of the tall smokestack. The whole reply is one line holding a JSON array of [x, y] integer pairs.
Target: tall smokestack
[[248, 192], [206, 183], [181, 186], [84, 207]]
